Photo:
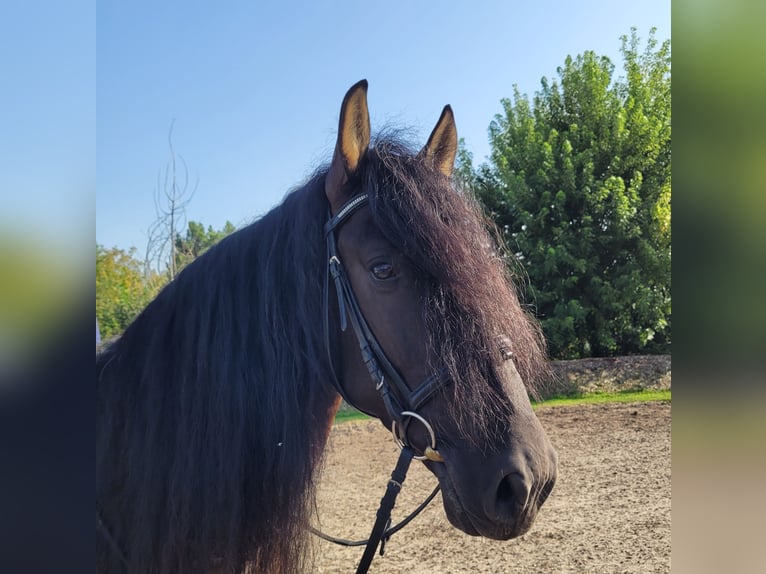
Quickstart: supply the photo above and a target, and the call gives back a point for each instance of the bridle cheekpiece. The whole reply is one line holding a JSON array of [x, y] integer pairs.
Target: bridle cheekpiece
[[401, 403]]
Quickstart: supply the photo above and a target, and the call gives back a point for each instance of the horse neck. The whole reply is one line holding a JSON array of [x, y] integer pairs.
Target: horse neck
[[212, 410]]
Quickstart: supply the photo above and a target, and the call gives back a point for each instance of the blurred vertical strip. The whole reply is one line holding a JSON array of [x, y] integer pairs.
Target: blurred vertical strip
[[720, 179], [47, 273], [719, 280]]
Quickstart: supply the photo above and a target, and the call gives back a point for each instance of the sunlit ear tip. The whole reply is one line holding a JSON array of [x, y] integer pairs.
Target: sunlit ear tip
[[447, 115], [360, 85], [356, 96], [441, 148], [450, 115]]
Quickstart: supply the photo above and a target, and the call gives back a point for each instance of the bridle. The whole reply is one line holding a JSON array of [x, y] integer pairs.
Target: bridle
[[401, 403]]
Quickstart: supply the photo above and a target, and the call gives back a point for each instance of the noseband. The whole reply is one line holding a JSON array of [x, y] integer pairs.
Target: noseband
[[402, 404]]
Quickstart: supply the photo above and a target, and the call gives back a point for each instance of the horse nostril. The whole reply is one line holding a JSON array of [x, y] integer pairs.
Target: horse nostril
[[504, 491], [512, 494]]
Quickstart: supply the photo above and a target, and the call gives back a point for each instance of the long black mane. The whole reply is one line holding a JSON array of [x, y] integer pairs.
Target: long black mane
[[212, 406]]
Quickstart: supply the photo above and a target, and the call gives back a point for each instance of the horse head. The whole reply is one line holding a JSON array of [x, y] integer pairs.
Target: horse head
[[424, 328]]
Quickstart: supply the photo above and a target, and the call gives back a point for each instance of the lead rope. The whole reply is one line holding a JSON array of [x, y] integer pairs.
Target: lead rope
[[384, 511]]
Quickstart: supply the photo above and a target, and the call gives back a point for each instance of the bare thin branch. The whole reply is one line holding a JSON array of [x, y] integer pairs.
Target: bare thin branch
[[171, 197]]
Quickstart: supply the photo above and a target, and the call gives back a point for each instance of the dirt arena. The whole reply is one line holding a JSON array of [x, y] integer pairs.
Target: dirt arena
[[609, 511]]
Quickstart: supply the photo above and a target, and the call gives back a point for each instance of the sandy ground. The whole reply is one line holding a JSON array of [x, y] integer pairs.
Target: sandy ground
[[609, 511]]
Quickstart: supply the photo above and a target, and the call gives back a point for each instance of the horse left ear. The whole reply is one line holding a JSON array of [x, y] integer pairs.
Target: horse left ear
[[441, 148], [353, 141]]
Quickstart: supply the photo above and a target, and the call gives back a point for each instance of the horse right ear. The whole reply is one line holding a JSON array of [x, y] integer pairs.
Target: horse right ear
[[352, 144], [441, 149]]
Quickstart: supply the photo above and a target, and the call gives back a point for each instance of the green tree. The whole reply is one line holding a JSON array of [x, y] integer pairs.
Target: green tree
[[579, 183], [464, 172], [122, 289], [197, 240], [125, 285]]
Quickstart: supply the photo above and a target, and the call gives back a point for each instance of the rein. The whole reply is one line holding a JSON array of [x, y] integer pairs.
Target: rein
[[389, 532], [401, 403]]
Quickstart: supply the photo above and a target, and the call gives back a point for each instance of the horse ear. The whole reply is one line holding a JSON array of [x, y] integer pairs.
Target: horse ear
[[441, 148], [353, 141]]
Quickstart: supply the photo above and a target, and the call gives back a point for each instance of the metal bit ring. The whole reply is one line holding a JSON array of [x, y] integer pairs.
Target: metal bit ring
[[430, 452]]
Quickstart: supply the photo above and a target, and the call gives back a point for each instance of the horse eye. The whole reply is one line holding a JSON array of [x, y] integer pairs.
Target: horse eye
[[382, 271]]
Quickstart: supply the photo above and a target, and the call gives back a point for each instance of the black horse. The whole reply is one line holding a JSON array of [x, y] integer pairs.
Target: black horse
[[214, 406]]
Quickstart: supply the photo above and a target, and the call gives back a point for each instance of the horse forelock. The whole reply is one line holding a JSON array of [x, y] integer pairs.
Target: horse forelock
[[473, 299]]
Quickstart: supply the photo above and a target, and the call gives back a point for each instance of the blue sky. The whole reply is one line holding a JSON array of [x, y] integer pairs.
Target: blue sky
[[48, 123], [255, 87]]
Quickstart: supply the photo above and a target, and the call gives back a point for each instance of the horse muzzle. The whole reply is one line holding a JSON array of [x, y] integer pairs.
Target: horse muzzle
[[493, 497]]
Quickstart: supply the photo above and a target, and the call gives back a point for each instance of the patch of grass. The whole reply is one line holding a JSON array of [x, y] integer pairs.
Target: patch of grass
[[596, 398], [350, 414]]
